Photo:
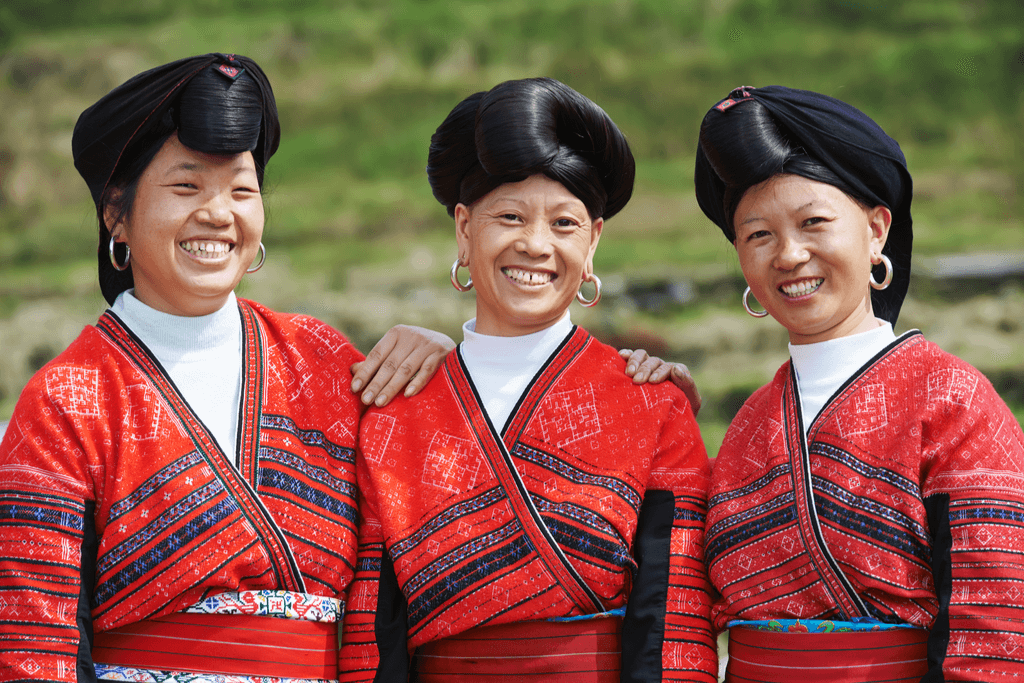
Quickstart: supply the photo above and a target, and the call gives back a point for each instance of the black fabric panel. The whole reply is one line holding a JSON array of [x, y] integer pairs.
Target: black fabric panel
[[643, 629], [937, 507], [390, 626], [86, 672]]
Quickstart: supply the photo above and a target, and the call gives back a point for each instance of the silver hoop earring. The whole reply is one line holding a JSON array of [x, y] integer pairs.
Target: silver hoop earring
[[888, 274], [263, 257], [751, 311], [597, 292], [113, 259], [455, 278]]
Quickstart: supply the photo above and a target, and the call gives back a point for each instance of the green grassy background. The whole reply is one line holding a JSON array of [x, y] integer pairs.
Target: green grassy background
[[361, 85]]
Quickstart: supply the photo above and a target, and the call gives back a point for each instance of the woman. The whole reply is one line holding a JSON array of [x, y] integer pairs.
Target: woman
[[177, 488], [865, 514], [531, 495]]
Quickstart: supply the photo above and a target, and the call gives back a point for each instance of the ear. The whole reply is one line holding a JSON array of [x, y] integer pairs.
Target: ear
[[595, 236], [116, 227], [879, 221], [462, 234]]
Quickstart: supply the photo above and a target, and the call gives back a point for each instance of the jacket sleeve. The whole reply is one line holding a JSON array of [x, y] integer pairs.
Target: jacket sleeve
[[46, 527], [374, 637], [973, 490], [666, 635]]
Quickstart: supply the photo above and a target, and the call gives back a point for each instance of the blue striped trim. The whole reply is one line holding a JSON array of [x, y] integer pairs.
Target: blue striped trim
[[457, 582], [449, 515], [163, 551], [577, 476], [309, 437]]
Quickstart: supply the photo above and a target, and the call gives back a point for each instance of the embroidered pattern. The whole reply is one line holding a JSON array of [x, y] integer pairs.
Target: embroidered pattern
[[269, 603], [927, 425]]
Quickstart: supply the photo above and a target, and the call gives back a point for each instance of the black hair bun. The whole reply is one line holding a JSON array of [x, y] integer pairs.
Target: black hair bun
[[526, 127]]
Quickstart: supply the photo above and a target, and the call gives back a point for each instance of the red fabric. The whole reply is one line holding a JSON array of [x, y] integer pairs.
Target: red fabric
[[895, 656], [587, 443], [840, 528], [175, 520], [224, 644], [586, 651]]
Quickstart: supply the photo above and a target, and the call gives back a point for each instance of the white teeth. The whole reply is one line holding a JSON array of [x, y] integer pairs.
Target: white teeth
[[527, 277], [802, 287], [205, 249]]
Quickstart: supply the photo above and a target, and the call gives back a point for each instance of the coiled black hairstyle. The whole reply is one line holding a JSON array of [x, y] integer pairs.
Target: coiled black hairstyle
[[748, 148], [216, 103], [526, 127], [757, 133]]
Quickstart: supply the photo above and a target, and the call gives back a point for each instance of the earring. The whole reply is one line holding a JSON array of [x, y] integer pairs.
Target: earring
[[597, 292], [751, 311], [263, 257], [455, 278], [888, 274], [113, 259]]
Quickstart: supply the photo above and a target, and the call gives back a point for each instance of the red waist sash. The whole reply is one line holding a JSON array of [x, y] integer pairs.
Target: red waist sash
[[587, 651], [223, 644], [858, 657]]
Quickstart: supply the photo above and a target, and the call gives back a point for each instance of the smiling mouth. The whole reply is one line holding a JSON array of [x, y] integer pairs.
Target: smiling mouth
[[530, 278], [802, 288], [206, 248]]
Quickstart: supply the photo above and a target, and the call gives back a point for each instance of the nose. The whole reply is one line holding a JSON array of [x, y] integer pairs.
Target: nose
[[216, 211], [535, 240], [791, 252]]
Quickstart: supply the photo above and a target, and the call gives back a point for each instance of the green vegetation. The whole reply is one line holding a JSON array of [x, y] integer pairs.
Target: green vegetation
[[362, 84]]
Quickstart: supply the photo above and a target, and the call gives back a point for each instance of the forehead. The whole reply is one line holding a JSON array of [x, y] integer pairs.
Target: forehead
[[174, 155], [536, 190], [788, 192]]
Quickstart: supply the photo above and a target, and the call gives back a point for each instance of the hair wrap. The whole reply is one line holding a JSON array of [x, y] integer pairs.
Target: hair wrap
[[218, 104], [527, 127], [757, 133]]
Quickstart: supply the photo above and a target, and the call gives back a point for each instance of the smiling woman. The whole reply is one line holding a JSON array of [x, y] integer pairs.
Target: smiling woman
[[184, 473], [195, 228], [865, 513], [528, 245], [533, 515]]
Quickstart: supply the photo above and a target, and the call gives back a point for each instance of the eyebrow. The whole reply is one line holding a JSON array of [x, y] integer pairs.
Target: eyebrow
[[813, 202], [187, 166]]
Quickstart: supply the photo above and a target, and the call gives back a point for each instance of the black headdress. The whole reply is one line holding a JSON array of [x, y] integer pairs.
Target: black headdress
[[525, 127], [219, 104], [756, 133]]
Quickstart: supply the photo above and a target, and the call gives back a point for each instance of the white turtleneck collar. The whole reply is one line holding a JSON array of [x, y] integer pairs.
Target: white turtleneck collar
[[502, 367], [201, 354], [823, 367]]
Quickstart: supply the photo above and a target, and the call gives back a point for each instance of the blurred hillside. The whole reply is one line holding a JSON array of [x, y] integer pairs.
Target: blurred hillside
[[354, 235]]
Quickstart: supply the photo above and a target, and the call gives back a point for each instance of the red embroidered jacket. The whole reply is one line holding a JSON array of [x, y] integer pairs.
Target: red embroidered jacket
[[464, 526], [905, 503], [105, 472]]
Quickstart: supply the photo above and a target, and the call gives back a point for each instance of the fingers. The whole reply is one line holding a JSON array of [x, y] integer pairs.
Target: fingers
[[645, 372], [405, 357], [427, 369], [363, 372], [634, 361], [681, 378]]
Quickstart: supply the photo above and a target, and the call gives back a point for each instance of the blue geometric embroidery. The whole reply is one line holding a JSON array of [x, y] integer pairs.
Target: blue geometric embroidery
[[566, 471], [150, 486], [467, 507], [310, 437]]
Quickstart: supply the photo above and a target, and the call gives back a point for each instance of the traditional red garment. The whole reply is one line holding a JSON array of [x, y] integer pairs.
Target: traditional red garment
[[539, 522], [904, 503], [112, 490]]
